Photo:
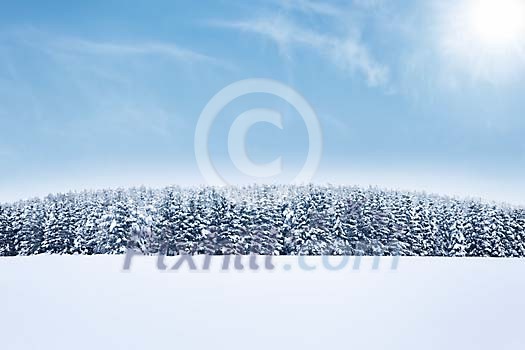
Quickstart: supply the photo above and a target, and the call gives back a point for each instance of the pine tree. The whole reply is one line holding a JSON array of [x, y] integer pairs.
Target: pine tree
[[6, 231], [261, 219], [57, 230], [29, 236]]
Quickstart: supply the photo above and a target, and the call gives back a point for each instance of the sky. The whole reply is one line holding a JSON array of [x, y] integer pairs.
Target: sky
[[413, 95]]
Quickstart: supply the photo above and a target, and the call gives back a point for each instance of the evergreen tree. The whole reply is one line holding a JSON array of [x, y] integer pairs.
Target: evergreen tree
[[261, 219]]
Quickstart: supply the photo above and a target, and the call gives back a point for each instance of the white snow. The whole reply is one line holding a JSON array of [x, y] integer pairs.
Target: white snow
[[86, 302]]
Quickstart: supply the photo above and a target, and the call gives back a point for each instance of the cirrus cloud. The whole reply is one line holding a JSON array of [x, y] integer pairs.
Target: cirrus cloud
[[346, 52]]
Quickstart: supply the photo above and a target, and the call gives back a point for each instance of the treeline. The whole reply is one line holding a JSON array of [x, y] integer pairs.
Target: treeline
[[279, 220]]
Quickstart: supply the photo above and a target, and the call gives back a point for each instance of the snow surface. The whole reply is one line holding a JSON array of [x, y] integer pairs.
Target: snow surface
[[88, 302]]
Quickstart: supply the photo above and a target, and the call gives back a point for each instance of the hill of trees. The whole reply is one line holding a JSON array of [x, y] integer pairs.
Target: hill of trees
[[278, 220]]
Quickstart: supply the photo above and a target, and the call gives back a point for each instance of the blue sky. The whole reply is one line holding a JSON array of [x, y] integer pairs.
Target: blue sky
[[108, 93]]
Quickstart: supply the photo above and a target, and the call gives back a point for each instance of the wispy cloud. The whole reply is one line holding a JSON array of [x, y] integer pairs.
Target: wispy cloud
[[340, 10], [347, 52], [308, 6], [65, 44], [135, 48], [100, 86]]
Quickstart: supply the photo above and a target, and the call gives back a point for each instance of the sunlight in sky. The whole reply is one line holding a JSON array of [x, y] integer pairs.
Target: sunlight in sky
[[485, 37], [497, 23]]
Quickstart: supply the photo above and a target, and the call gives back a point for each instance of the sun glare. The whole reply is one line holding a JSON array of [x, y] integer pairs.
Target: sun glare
[[485, 38], [496, 23]]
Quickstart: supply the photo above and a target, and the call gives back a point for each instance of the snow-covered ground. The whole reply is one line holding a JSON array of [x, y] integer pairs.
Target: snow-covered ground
[[86, 302]]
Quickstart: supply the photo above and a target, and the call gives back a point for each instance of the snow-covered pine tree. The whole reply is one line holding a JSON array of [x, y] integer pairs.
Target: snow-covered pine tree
[[6, 231], [116, 226], [14, 227], [58, 237], [307, 226], [267, 222], [87, 232], [477, 230], [457, 243], [427, 228], [443, 219], [518, 226], [343, 227], [30, 234], [220, 215], [261, 219], [497, 232], [196, 223]]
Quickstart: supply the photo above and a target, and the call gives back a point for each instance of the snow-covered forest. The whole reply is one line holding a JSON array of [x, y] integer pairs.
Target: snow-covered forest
[[280, 220]]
